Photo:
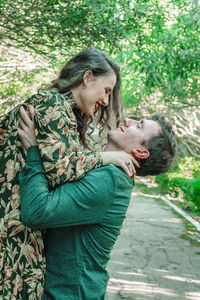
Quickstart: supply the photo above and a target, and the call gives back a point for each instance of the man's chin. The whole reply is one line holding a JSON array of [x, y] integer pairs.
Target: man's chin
[[110, 134], [113, 137]]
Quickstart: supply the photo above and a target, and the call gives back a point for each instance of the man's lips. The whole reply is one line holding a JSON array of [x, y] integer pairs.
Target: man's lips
[[121, 128]]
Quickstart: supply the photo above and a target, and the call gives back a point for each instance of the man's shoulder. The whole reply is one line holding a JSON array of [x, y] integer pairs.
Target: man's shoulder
[[119, 177], [119, 173], [119, 200]]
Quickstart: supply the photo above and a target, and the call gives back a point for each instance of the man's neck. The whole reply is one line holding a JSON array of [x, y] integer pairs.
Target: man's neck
[[111, 147]]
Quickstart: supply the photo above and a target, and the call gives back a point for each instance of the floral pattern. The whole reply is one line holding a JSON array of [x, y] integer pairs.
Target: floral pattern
[[22, 261]]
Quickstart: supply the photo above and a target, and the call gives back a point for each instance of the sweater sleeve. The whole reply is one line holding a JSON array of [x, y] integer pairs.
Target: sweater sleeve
[[58, 140], [73, 203]]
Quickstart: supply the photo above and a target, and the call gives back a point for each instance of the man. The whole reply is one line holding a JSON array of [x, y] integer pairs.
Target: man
[[84, 218]]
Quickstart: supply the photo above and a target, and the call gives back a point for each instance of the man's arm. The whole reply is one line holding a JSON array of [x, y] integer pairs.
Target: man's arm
[[73, 203]]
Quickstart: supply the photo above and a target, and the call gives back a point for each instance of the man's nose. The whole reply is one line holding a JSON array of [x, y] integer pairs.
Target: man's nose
[[129, 122]]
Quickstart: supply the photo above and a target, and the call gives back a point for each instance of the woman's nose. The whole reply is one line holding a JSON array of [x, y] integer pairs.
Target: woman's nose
[[105, 101]]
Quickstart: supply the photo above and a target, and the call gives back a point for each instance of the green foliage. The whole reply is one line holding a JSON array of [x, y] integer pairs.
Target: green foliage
[[157, 42], [183, 180], [50, 27], [163, 54], [21, 85]]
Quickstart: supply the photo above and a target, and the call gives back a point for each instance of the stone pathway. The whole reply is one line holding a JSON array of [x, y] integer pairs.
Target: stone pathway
[[157, 255]]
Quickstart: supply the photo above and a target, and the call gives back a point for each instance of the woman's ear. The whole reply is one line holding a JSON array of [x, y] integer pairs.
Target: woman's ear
[[141, 153], [87, 76]]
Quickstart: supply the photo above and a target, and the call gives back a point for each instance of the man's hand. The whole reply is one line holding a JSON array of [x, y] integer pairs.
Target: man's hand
[[26, 130]]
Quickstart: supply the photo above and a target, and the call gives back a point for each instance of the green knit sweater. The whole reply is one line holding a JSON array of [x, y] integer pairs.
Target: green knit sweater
[[83, 220]]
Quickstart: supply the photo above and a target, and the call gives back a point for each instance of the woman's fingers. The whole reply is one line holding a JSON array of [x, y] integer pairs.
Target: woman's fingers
[[134, 161], [129, 165], [121, 159], [127, 170]]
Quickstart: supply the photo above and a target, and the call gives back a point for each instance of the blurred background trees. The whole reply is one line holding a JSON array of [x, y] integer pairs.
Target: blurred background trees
[[156, 42]]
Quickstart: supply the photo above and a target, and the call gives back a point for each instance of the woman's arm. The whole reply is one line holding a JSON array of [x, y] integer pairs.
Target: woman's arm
[[74, 203], [58, 140]]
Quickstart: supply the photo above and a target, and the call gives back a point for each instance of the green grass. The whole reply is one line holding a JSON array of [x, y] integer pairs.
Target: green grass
[[183, 181]]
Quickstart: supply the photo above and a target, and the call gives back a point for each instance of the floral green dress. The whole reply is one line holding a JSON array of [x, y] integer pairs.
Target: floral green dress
[[22, 261]]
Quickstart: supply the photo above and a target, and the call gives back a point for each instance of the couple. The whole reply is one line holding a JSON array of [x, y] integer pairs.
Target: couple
[[84, 218], [89, 84]]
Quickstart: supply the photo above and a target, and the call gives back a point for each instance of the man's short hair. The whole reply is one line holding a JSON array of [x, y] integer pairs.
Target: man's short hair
[[162, 149]]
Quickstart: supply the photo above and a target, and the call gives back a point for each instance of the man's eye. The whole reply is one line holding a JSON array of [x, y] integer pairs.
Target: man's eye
[[138, 125]]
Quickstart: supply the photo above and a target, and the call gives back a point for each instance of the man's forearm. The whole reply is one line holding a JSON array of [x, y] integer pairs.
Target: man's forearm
[[73, 203]]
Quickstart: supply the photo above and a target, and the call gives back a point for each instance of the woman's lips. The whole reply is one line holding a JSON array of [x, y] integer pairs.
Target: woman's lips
[[97, 104]]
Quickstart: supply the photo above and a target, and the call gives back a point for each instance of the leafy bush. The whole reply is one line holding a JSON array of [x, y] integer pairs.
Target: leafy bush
[[183, 180]]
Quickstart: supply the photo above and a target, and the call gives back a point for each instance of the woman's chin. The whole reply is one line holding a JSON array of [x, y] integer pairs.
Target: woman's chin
[[88, 113]]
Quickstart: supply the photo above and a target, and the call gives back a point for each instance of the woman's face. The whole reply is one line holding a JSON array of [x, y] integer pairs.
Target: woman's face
[[95, 92]]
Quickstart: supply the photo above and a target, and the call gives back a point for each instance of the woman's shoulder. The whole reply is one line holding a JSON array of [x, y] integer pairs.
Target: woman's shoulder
[[51, 105], [50, 97], [42, 95]]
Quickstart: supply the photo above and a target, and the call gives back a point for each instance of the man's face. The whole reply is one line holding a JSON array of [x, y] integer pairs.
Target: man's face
[[133, 134]]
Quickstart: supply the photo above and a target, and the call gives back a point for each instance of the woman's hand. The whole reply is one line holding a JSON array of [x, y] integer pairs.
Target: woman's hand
[[26, 130], [121, 159]]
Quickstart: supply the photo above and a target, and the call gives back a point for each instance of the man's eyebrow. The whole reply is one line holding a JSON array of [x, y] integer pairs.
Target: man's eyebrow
[[142, 123]]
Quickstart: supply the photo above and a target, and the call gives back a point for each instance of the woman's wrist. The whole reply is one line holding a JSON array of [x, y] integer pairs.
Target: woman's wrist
[[105, 158]]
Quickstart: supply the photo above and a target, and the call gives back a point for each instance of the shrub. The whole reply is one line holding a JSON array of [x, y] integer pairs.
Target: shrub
[[184, 180]]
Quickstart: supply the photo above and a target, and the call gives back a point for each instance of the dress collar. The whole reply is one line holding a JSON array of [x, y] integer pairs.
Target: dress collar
[[70, 98]]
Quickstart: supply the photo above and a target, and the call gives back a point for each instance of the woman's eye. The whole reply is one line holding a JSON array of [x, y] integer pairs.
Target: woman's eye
[[138, 125]]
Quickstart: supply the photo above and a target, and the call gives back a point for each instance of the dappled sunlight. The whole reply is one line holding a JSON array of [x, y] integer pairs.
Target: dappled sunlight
[[173, 220], [118, 262], [178, 278], [169, 220], [193, 296], [145, 195], [162, 271], [138, 283], [131, 273], [136, 287]]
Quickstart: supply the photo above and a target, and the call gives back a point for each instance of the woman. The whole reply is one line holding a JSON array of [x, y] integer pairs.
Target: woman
[[89, 83]]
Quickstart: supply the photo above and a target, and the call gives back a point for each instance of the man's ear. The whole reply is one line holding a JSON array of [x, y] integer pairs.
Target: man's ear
[[141, 153], [87, 76]]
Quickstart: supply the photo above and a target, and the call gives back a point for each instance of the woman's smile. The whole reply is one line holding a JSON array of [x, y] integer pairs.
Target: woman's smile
[[97, 105]]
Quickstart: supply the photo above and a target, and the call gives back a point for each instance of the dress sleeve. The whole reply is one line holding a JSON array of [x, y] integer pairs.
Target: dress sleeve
[[73, 203], [58, 140]]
